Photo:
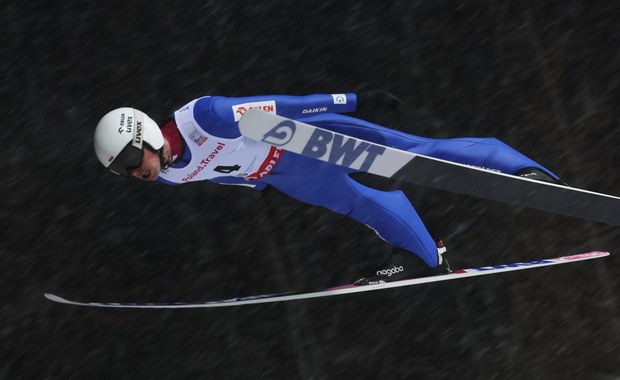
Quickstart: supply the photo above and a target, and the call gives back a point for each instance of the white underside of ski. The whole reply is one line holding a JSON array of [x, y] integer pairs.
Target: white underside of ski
[[366, 156], [345, 289]]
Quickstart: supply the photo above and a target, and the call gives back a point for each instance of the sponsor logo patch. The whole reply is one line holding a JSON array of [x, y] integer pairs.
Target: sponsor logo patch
[[125, 128], [281, 134], [267, 106], [198, 138], [391, 271], [205, 162], [267, 166], [137, 136], [327, 146], [314, 110], [339, 98], [343, 149]]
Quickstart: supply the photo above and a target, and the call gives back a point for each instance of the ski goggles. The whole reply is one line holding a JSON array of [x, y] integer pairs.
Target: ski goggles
[[127, 160], [132, 155]]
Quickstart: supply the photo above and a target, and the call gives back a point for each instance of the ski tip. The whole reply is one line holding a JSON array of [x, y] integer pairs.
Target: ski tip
[[55, 298], [585, 256]]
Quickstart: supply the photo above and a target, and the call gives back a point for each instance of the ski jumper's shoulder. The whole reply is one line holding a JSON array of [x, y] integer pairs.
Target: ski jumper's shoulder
[[212, 116]]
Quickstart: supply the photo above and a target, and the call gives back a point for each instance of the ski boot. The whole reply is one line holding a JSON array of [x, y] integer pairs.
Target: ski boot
[[538, 175], [403, 265]]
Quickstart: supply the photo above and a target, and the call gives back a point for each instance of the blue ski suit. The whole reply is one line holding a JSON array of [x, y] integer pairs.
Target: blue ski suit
[[389, 214]]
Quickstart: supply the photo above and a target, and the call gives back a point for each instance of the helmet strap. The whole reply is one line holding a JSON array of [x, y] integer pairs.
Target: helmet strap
[[162, 161]]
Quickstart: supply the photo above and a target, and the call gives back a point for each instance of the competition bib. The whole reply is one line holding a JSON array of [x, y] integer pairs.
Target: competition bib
[[213, 156]]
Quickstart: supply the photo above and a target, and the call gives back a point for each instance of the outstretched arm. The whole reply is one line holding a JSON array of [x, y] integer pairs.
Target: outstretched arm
[[285, 105], [219, 115]]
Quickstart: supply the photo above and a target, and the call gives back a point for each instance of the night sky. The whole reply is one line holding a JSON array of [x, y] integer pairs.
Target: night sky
[[544, 77]]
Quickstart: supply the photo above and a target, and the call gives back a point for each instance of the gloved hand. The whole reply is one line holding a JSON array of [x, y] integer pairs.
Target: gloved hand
[[377, 100]]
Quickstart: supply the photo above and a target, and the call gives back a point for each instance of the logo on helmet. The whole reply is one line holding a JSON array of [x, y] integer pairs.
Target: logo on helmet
[[125, 128], [137, 138], [122, 124]]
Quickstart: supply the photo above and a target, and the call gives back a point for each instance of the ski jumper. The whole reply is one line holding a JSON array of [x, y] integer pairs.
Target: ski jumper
[[215, 150]]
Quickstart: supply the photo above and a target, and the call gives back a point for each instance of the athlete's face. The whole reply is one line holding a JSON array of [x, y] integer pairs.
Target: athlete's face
[[150, 167]]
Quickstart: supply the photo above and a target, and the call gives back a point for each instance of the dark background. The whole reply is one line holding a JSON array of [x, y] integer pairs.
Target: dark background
[[541, 76]]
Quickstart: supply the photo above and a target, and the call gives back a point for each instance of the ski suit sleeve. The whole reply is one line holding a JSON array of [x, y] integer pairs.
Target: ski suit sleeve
[[219, 115]]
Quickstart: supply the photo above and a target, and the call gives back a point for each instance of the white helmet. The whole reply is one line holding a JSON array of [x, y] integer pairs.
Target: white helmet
[[119, 137]]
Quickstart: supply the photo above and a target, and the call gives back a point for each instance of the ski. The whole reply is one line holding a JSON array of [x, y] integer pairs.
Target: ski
[[340, 290], [365, 156]]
